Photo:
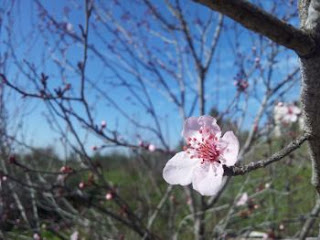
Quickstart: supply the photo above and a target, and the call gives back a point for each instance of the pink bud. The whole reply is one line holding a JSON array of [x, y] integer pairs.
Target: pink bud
[[4, 178], [103, 124], [36, 236], [12, 159], [141, 143], [152, 148], [66, 169], [69, 27], [109, 196], [67, 86], [82, 185], [94, 148]]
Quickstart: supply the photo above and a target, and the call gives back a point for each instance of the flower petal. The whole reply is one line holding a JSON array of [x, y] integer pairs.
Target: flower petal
[[290, 118], [230, 153], [296, 110], [207, 179], [192, 126], [179, 168], [242, 200]]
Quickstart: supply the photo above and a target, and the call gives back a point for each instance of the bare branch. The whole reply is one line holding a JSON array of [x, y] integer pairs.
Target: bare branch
[[233, 171], [264, 23], [310, 221]]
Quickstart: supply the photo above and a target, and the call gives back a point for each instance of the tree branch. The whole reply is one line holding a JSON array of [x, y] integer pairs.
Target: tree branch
[[259, 21], [310, 221], [233, 171]]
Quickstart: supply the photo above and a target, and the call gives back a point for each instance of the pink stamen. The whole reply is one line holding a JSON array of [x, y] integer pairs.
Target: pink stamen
[[206, 149]]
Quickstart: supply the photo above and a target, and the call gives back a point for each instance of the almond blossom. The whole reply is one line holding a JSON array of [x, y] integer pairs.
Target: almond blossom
[[201, 162], [286, 113], [242, 200]]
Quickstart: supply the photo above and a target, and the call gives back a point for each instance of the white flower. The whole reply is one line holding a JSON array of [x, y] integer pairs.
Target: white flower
[[201, 162], [74, 236], [286, 113], [242, 200], [151, 148]]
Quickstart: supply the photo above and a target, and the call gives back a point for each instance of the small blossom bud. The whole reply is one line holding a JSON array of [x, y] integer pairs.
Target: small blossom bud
[[65, 169], [103, 124], [281, 227], [36, 236], [69, 27], [82, 185], [141, 143], [12, 159], [151, 148], [109, 196], [94, 148], [67, 87]]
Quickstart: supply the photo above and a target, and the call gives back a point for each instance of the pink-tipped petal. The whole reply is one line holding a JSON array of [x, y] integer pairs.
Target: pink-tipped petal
[[207, 179], [210, 122], [193, 125], [179, 168], [230, 153]]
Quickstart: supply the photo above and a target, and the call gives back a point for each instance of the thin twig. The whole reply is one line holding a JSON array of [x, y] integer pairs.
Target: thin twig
[[295, 144]]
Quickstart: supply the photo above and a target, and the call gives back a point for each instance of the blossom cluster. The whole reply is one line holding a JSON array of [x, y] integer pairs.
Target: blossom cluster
[[285, 114]]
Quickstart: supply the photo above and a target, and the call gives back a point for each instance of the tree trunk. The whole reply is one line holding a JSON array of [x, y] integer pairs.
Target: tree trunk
[[310, 91]]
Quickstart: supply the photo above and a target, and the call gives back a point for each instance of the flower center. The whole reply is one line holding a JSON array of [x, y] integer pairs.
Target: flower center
[[204, 148]]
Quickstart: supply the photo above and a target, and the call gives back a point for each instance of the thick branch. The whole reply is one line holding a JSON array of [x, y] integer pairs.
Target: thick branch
[[258, 20], [233, 171]]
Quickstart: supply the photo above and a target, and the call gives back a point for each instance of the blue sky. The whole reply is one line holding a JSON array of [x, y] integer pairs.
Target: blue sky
[[30, 47]]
